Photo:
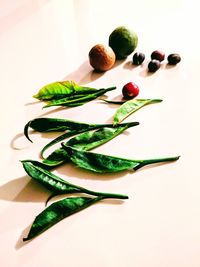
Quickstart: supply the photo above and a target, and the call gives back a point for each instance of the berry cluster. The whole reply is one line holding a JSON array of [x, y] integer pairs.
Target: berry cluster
[[156, 58]]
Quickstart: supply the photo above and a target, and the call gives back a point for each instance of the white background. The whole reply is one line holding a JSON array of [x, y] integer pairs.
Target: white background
[[43, 41]]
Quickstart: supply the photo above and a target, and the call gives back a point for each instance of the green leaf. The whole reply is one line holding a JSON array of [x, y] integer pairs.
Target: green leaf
[[53, 125], [58, 90], [57, 185], [89, 140], [49, 180], [78, 101], [104, 163], [85, 141], [58, 125], [61, 138], [131, 106], [57, 212]]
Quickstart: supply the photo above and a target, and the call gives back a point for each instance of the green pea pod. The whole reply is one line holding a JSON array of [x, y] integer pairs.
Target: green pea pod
[[57, 185], [81, 130], [103, 163], [130, 106], [59, 90], [57, 212], [78, 101]]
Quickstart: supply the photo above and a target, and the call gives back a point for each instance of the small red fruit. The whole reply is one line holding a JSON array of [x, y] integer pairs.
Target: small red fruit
[[130, 90]]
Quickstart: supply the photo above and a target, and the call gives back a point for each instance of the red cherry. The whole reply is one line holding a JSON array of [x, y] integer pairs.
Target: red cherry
[[130, 90]]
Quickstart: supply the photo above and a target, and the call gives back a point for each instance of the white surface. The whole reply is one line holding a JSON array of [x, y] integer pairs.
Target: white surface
[[45, 41]]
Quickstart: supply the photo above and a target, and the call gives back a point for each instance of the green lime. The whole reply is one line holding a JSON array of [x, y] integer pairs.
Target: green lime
[[123, 42]]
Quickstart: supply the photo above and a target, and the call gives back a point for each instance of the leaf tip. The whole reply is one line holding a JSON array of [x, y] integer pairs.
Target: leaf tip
[[25, 239], [36, 96]]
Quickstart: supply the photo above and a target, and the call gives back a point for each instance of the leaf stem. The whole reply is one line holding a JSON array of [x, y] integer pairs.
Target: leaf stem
[[153, 161], [106, 195]]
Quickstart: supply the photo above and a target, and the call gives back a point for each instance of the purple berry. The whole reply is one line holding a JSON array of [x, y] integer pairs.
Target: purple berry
[[173, 59], [158, 55], [138, 58], [154, 65]]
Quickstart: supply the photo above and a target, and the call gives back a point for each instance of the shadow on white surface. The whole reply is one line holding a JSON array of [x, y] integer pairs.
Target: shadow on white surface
[[16, 142], [84, 74], [32, 103], [20, 243], [71, 170], [168, 66], [16, 191], [146, 73], [130, 66], [118, 62]]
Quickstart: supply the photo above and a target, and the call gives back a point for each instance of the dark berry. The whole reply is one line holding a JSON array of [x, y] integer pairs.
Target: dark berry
[[154, 65], [173, 59], [138, 58], [130, 90], [158, 55]]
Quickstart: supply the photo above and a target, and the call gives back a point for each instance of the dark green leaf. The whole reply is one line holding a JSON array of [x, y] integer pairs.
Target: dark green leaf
[[60, 138], [104, 163], [86, 141], [57, 185], [54, 125], [58, 90], [47, 179], [90, 139], [57, 212], [131, 106]]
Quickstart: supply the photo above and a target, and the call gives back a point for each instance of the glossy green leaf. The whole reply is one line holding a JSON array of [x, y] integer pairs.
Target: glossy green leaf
[[57, 185], [91, 139], [61, 138], [47, 179], [104, 163], [58, 125], [59, 90], [53, 125], [86, 141], [131, 106], [57, 212], [78, 101]]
